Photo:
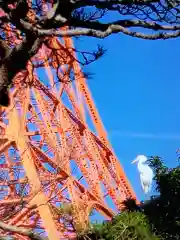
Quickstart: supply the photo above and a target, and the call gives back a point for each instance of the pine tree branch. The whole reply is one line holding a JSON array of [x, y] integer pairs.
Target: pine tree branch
[[104, 30], [109, 4], [20, 230]]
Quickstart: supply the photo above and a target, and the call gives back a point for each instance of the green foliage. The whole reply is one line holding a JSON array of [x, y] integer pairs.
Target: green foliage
[[164, 211], [158, 218], [129, 225], [66, 208], [130, 205], [125, 226]]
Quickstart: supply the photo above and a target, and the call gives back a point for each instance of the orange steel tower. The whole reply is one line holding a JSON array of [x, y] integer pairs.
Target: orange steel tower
[[49, 155]]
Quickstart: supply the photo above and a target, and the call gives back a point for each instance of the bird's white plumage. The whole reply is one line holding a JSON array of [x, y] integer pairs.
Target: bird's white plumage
[[146, 173]]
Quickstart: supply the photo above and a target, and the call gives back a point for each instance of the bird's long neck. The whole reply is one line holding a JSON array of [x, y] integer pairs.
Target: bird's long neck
[[140, 166]]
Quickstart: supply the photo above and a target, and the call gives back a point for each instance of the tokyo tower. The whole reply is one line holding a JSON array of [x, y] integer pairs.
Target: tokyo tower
[[49, 155]]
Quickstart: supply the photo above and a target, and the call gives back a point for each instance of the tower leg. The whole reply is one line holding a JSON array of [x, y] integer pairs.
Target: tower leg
[[15, 129]]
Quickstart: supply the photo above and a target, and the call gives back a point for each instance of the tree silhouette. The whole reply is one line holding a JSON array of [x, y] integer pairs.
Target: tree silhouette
[[162, 210], [33, 26]]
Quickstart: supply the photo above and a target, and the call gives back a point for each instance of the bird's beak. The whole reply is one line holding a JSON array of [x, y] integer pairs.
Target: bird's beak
[[134, 161]]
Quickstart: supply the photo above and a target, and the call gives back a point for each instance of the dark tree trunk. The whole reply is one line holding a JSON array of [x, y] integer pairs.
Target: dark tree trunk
[[4, 95], [14, 62]]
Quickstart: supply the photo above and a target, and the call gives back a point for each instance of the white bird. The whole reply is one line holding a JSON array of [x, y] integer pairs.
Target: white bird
[[146, 173]]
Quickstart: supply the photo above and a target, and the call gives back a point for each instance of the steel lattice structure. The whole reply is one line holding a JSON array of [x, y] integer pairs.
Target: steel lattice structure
[[45, 139]]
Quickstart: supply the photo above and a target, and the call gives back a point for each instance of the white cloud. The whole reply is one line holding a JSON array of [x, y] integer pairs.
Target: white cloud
[[163, 136]]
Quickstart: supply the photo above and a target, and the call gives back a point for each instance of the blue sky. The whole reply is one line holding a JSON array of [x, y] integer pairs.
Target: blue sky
[[136, 90]]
